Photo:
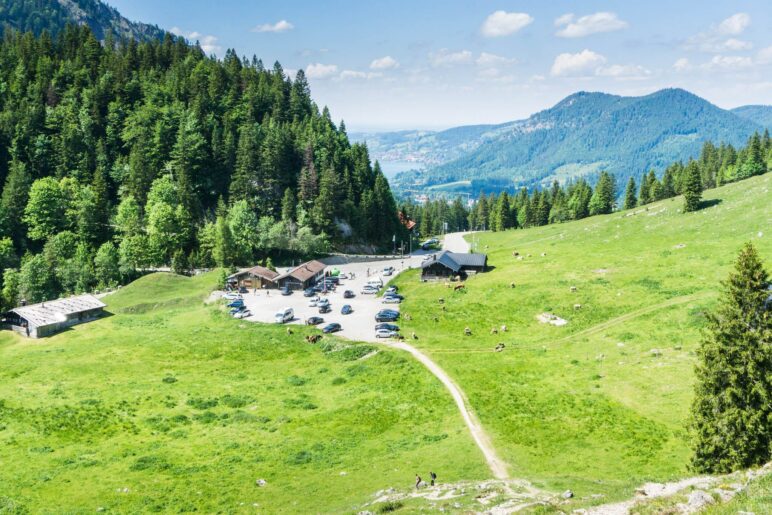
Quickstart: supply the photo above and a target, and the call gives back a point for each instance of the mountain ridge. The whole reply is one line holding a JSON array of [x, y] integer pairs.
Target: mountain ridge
[[577, 137]]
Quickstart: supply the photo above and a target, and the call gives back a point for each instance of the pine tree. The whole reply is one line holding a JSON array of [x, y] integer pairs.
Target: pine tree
[[602, 200], [630, 200], [692, 187], [731, 415], [644, 195]]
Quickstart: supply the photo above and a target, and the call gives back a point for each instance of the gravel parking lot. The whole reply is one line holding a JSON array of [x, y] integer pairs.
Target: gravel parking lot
[[358, 325]]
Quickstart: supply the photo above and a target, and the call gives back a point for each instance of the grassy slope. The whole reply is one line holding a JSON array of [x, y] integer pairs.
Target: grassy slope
[[588, 406], [86, 414]]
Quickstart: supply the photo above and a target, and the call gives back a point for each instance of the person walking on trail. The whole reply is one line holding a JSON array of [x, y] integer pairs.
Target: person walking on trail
[[433, 477], [417, 481]]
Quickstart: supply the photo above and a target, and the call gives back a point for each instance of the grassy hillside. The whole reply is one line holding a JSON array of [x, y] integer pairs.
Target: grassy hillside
[[170, 405], [598, 405]]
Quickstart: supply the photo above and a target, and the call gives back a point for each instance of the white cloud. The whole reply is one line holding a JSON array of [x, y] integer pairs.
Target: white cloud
[[734, 25], [764, 56], [321, 71], [728, 62], [715, 40], [446, 58], [486, 60], [384, 63], [624, 71], [502, 23], [564, 20], [207, 42], [358, 75], [682, 64], [590, 24], [581, 64], [279, 26]]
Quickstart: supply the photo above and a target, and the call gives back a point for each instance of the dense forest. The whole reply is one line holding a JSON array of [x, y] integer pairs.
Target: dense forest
[[715, 166], [119, 156]]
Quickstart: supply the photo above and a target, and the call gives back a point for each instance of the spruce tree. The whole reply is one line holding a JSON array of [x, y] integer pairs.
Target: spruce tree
[[630, 200], [692, 187], [731, 415]]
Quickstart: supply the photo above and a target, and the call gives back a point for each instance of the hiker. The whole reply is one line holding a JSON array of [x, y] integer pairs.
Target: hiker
[[417, 481], [433, 476]]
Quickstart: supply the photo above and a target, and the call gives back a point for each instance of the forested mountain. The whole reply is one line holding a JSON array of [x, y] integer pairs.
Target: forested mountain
[[130, 155], [582, 135], [761, 114], [53, 15]]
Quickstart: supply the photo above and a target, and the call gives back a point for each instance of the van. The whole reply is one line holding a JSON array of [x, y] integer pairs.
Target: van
[[375, 282], [285, 315]]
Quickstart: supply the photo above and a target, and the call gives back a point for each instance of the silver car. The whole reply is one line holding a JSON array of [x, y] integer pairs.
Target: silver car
[[385, 333]]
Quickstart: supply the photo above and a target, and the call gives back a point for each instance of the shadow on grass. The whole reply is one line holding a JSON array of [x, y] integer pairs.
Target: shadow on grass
[[704, 204]]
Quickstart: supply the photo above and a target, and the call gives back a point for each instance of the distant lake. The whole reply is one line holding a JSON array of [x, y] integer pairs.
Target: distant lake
[[392, 168]]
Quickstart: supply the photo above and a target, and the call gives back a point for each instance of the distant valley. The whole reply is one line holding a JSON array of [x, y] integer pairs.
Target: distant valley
[[578, 137]]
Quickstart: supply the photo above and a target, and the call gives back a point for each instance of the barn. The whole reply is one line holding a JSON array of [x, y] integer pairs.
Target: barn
[[302, 276], [255, 277], [47, 318], [448, 264]]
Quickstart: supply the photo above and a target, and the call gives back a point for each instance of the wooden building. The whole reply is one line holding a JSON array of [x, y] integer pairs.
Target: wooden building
[[302, 276], [47, 318], [449, 264], [255, 277]]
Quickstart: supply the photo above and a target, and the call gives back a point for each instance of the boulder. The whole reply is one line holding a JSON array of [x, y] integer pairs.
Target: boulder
[[567, 494]]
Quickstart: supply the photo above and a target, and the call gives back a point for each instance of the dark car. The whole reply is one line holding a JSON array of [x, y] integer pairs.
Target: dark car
[[348, 294], [236, 303], [325, 309], [285, 291], [310, 292], [393, 296], [331, 328], [387, 326], [387, 315], [346, 310], [243, 289], [314, 320], [318, 288], [332, 279]]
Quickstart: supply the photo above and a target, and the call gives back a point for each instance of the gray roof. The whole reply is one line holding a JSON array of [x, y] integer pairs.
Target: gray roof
[[457, 260], [54, 311]]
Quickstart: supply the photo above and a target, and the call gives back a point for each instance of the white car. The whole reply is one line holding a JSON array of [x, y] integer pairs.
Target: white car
[[391, 300], [231, 295], [313, 301], [323, 302], [243, 314], [369, 290], [385, 333], [285, 315]]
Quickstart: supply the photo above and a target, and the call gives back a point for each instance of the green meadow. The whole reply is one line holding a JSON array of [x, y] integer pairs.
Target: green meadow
[[600, 404], [169, 405]]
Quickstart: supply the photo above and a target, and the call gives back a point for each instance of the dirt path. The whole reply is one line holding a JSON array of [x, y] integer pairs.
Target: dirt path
[[455, 242], [497, 466], [636, 313]]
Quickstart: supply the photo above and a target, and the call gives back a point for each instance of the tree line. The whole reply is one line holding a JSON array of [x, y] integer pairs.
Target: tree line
[[120, 156], [715, 166]]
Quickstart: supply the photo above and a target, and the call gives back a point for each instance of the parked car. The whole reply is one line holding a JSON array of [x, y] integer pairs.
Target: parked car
[[385, 333], [243, 289], [314, 320], [309, 292], [231, 295], [332, 279], [386, 325], [346, 310], [323, 302], [387, 315], [239, 309], [318, 288], [369, 290], [331, 328], [285, 315], [376, 282], [391, 300], [388, 270], [236, 303], [348, 294], [393, 296], [313, 301], [325, 309], [285, 291], [244, 313], [392, 289]]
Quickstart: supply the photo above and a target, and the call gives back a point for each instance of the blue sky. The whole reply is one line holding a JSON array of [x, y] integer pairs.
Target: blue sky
[[434, 64]]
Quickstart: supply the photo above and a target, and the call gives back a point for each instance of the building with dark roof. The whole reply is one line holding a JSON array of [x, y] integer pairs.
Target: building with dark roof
[[449, 264], [302, 276], [255, 277], [47, 318]]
